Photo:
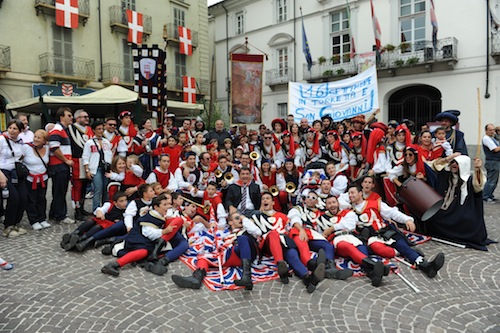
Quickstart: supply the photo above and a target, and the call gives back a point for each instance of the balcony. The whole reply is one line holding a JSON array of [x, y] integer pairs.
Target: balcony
[[117, 74], [174, 83], [171, 35], [330, 71], [55, 68], [279, 76], [48, 7], [4, 59], [119, 23], [420, 57]]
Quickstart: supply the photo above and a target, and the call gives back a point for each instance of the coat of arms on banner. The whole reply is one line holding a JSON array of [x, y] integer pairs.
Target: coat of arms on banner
[[147, 67]]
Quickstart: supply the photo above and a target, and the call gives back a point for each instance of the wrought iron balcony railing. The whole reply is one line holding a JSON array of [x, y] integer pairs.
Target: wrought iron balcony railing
[[279, 76], [118, 20], [49, 7], [4, 58], [117, 74], [171, 33], [61, 67]]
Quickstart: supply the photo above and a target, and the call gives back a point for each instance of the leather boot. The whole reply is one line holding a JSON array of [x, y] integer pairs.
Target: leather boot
[[83, 245], [283, 271], [160, 244], [310, 282], [78, 214], [246, 277], [432, 267], [191, 282], [158, 267], [101, 242], [112, 269], [73, 239], [66, 238], [333, 273], [374, 270]]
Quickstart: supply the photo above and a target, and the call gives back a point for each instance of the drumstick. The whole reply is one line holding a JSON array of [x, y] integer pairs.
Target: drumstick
[[478, 151]]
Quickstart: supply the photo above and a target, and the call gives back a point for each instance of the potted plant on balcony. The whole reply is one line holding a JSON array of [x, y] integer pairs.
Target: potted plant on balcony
[[404, 47], [399, 62], [412, 61], [328, 73], [346, 57], [340, 71], [335, 59], [389, 48], [321, 60]]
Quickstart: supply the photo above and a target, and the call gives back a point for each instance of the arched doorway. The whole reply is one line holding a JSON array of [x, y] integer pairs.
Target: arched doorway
[[418, 103]]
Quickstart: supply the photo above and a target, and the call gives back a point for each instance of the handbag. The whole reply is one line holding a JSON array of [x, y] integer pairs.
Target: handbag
[[21, 169]]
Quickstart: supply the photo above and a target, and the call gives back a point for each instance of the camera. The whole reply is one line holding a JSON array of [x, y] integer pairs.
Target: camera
[[106, 166]]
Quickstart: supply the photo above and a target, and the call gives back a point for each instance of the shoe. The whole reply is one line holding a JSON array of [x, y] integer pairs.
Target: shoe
[[73, 240], [45, 224], [283, 271], [6, 266], [490, 200], [375, 270], [159, 267], [67, 220], [112, 269], [37, 226], [78, 215], [430, 268], [105, 241], [191, 282], [84, 244], [246, 277], [331, 272], [10, 232], [107, 250], [20, 230], [89, 195]]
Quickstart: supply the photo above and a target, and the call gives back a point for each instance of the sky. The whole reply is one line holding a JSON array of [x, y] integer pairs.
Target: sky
[[211, 2]]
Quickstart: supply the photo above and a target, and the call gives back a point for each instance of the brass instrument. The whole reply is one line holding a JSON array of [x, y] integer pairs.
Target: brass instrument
[[228, 177], [254, 156], [218, 173], [274, 190], [290, 187], [206, 208]]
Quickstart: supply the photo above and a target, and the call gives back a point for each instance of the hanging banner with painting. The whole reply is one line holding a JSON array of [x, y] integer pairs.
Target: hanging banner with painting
[[246, 88]]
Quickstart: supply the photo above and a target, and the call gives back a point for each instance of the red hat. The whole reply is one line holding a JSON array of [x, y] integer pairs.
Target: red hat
[[210, 146], [403, 128], [280, 121], [376, 137], [333, 132], [292, 141], [124, 114], [356, 135], [315, 147], [380, 125], [359, 119], [359, 135]]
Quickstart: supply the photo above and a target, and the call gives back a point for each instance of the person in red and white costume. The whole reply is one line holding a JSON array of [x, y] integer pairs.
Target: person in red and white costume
[[173, 150], [209, 198], [79, 133], [186, 128], [289, 149], [367, 186], [163, 175], [337, 178], [111, 133], [311, 151], [127, 132], [338, 227], [357, 156], [288, 173], [335, 151], [268, 149], [188, 175], [207, 168], [246, 161]]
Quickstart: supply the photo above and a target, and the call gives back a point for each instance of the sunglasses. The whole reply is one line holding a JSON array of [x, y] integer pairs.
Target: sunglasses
[[112, 125], [312, 197], [268, 138], [409, 154]]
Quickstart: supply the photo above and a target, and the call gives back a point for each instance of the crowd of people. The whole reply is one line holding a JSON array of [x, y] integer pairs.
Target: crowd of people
[[331, 188]]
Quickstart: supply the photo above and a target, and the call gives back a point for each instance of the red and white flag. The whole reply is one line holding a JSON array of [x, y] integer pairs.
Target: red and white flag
[[185, 41], [67, 13], [135, 27], [376, 28], [189, 89]]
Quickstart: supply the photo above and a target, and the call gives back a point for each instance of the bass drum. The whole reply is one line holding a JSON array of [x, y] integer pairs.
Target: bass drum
[[421, 199]]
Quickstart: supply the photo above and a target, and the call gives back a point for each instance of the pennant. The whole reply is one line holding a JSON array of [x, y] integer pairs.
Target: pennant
[[434, 24], [376, 28], [135, 27], [185, 41], [189, 89], [305, 47], [67, 13]]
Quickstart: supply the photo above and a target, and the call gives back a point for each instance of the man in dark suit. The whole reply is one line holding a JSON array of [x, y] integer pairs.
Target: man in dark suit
[[244, 195]]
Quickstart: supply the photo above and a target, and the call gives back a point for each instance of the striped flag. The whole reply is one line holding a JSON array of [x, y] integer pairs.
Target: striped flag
[[376, 28], [353, 46], [434, 24], [305, 47]]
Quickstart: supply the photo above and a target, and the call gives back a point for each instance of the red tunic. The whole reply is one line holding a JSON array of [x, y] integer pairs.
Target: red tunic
[[162, 177], [175, 155], [269, 180]]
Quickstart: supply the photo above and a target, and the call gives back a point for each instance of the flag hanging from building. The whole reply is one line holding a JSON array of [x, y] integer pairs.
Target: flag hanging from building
[[376, 28], [185, 41], [434, 23], [246, 88], [352, 54], [189, 89], [149, 76], [67, 13], [135, 27], [305, 47]]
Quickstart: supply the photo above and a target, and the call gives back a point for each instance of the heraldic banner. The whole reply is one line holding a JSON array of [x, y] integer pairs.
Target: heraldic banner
[[246, 88], [340, 99], [149, 68]]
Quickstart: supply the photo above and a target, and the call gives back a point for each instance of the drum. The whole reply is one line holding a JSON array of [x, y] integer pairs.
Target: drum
[[422, 199]]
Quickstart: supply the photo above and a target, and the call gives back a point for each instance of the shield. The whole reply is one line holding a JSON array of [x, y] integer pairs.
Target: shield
[[147, 67]]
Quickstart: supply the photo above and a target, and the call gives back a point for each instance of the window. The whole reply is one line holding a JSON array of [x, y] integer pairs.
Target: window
[[128, 4], [282, 62], [63, 50], [240, 23], [282, 110], [179, 17], [339, 35], [281, 10], [180, 69], [412, 23], [128, 59]]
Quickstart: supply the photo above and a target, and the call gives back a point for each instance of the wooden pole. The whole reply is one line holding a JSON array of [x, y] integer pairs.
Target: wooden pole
[[479, 130]]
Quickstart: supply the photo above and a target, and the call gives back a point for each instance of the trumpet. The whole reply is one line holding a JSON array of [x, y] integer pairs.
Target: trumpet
[[290, 187], [206, 208], [274, 190], [218, 173], [254, 156], [228, 177]]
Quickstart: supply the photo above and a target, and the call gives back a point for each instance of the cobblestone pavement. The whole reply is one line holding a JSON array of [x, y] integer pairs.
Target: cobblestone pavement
[[52, 291]]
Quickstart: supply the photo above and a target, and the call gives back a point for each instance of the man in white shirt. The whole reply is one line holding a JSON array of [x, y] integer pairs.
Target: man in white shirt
[[491, 149]]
